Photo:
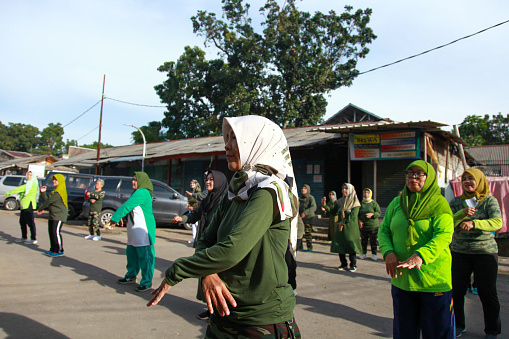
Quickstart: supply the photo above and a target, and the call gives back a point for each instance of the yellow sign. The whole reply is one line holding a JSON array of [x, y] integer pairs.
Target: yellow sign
[[367, 139]]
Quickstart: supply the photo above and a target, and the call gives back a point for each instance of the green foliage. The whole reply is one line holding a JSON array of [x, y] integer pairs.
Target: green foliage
[[478, 131], [68, 143], [18, 137], [51, 141], [282, 73], [95, 144], [153, 133]]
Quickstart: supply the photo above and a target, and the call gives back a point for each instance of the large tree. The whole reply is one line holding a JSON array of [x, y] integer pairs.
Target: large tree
[[51, 140], [153, 133], [18, 137], [477, 130], [282, 72]]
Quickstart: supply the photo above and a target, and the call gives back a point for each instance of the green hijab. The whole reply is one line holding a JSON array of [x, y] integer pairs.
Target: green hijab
[[483, 188], [60, 188], [426, 203], [144, 181]]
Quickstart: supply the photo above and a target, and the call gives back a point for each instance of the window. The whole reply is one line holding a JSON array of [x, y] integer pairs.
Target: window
[[78, 182], [126, 186], [110, 185], [12, 181]]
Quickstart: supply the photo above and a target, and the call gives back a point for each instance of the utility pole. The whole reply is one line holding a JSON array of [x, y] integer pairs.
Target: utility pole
[[100, 127]]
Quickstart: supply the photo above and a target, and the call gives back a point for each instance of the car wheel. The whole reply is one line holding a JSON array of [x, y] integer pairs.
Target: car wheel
[[105, 216], [187, 226], [11, 204], [71, 212]]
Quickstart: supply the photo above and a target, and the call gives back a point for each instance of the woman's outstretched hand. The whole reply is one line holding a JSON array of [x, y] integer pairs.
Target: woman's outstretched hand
[[415, 261], [159, 293], [215, 293]]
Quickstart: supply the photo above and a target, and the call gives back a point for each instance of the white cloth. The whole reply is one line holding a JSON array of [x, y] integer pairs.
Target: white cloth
[[262, 142], [471, 202], [137, 232], [29, 184]]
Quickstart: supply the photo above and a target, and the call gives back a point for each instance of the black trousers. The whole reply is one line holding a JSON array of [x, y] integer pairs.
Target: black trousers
[[292, 266], [55, 236], [26, 217], [485, 269], [352, 257], [373, 240]]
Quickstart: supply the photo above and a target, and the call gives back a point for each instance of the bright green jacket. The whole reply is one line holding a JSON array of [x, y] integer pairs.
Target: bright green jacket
[[30, 197], [245, 244], [435, 235]]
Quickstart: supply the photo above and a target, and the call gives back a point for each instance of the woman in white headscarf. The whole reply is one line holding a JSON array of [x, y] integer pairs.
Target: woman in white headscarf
[[241, 255]]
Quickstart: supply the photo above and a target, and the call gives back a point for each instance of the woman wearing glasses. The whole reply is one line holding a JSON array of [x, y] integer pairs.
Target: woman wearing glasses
[[414, 239], [474, 250]]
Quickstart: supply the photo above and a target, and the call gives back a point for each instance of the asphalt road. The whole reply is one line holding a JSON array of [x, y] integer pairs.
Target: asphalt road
[[77, 296]]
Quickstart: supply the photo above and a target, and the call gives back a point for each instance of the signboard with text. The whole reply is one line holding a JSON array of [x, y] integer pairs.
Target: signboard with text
[[385, 146]]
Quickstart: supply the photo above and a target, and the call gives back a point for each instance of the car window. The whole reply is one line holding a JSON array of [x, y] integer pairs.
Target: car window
[[12, 181], [111, 185], [126, 186], [78, 182], [161, 191]]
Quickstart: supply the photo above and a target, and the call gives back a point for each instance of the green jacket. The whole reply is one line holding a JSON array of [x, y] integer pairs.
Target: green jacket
[[96, 207], [55, 206], [347, 241], [435, 235], [308, 208], [487, 219], [30, 197], [370, 207], [246, 247]]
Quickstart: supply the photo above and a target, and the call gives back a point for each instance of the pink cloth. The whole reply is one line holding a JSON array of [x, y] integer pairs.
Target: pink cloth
[[499, 188]]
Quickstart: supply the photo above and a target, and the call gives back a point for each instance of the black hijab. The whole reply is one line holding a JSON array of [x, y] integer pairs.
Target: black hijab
[[211, 201]]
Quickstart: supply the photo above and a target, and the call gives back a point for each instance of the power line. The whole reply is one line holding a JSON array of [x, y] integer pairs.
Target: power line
[[79, 116], [87, 133], [450, 43], [131, 103]]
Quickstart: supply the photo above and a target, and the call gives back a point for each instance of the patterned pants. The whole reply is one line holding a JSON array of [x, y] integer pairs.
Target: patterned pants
[[93, 223], [287, 329], [308, 236]]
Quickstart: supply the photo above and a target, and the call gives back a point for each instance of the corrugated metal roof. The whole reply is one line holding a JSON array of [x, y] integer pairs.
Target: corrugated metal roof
[[493, 160], [347, 110]]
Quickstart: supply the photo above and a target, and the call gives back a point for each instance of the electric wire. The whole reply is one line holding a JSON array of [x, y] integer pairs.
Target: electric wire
[[433, 49], [79, 116], [87, 133], [131, 103]]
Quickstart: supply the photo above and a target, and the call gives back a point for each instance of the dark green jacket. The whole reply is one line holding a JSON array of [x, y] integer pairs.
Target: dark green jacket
[[98, 204], [370, 207], [55, 206], [308, 208]]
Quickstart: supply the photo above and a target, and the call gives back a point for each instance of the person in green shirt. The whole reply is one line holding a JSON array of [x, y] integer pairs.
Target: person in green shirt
[[414, 239], [307, 208], [27, 200], [241, 255], [474, 250], [96, 203], [347, 237], [368, 224], [333, 217]]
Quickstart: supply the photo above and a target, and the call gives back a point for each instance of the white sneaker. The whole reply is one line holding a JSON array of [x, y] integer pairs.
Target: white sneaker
[[190, 241], [89, 237], [362, 256], [20, 240], [295, 292], [31, 242], [374, 257], [96, 238]]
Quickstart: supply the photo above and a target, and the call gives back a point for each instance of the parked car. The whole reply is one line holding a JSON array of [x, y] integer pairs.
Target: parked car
[[166, 202], [10, 182], [76, 184]]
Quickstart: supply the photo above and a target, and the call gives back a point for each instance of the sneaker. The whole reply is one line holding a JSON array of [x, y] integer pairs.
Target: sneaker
[[474, 291], [56, 254], [343, 268], [96, 238], [127, 280], [308, 250], [353, 269], [459, 331], [204, 315], [190, 241], [295, 292], [142, 288], [374, 257], [47, 253], [362, 256], [31, 242], [89, 237], [20, 240]]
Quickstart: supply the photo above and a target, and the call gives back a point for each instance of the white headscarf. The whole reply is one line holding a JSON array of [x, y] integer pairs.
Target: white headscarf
[[262, 144], [30, 183]]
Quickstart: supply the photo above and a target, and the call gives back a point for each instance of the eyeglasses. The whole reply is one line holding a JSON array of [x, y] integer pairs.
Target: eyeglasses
[[417, 174]]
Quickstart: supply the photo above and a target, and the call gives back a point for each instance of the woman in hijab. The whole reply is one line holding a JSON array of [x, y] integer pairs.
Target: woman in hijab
[[27, 200], [217, 186], [241, 255], [476, 218], [327, 207], [368, 224], [347, 237], [307, 208], [141, 232], [56, 204], [414, 239]]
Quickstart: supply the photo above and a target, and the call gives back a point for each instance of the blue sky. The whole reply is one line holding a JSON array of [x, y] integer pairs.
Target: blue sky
[[55, 53]]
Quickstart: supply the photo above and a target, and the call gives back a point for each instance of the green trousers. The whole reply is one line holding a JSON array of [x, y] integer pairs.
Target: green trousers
[[140, 258]]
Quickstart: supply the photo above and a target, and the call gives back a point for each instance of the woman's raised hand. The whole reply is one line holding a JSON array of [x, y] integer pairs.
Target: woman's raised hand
[[177, 219]]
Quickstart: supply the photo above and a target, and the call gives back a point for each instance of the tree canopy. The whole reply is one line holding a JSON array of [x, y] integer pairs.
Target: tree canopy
[[478, 131], [281, 70]]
